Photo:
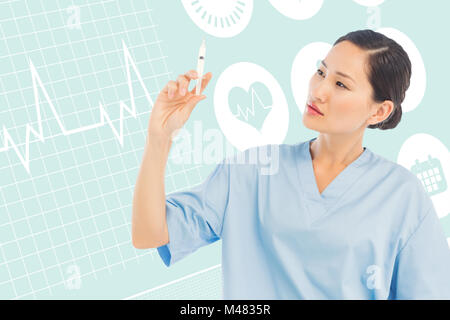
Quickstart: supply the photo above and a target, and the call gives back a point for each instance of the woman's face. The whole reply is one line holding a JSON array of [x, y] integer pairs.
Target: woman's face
[[341, 90]]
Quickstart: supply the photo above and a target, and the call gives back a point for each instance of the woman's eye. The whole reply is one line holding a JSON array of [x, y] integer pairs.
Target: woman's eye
[[340, 84], [343, 86]]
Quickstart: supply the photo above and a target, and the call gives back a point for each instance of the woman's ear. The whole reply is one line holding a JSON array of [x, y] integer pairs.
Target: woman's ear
[[380, 112], [385, 110]]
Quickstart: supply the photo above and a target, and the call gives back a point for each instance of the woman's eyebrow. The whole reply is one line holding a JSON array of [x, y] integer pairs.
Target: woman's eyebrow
[[338, 72]]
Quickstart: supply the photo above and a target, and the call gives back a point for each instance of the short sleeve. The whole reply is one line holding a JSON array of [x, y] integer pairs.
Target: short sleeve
[[195, 216], [422, 267]]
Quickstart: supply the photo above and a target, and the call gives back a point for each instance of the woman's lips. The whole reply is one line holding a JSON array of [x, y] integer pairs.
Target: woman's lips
[[313, 110]]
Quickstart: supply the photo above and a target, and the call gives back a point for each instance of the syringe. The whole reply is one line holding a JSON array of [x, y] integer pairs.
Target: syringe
[[200, 66]]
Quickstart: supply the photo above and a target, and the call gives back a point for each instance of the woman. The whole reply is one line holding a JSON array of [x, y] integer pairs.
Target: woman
[[335, 221]]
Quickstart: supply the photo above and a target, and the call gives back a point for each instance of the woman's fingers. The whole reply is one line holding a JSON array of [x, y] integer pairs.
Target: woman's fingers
[[171, 88], [183, 81], [192, 74], [181, 85], [205, 81]]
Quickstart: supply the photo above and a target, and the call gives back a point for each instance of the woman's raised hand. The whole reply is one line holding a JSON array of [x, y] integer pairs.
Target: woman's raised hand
[[174, 105]]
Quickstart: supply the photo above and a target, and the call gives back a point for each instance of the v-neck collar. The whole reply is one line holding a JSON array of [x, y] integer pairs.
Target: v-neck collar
[[321, 203]]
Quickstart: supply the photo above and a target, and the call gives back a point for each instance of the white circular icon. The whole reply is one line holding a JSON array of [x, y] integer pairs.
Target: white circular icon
[[429, 159], [369, 3], [220, 18], [241, 86], [297, 10]]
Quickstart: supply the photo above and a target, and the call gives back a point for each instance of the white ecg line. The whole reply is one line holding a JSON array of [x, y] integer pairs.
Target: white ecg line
[[37, 83], [246, 110]]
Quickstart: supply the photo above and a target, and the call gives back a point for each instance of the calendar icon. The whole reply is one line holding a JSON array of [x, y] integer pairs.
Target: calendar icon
[[431, 175]]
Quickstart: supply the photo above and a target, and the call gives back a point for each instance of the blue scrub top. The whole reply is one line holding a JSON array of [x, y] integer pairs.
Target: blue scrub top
[[373, 233]]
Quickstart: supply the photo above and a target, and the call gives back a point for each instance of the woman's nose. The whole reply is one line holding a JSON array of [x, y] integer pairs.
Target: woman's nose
[[319, 91]]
